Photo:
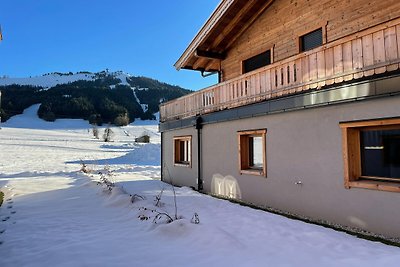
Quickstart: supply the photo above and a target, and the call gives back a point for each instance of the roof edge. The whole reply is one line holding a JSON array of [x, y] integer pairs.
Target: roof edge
[[204, 31]]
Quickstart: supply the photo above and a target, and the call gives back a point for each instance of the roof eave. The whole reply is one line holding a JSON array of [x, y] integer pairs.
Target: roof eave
[[204, 31]]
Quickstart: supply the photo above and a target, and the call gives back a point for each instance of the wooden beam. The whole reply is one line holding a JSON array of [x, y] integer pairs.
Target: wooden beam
[[210, 54], [201, 63], [249, 23], [231, 27], [233, 23], [204, 31]]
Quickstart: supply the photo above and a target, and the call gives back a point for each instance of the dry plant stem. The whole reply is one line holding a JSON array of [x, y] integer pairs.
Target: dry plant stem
[[173, 190]]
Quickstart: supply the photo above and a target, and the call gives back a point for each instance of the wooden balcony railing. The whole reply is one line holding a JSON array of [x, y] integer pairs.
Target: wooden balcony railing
[[372, 51]]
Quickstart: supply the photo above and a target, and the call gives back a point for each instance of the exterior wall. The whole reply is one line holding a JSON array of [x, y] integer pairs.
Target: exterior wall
[[285, 20], [181, 175], [303, 145]]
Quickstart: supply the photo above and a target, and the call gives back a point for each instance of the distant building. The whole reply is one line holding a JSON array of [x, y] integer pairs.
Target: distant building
[[143, 139], [306, 116]]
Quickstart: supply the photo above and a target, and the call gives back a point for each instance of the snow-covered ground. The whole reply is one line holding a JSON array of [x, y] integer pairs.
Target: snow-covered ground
[[55, 215], [52, 79], [47, 81]]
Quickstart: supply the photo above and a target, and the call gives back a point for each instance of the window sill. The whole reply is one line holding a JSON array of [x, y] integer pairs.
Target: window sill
[[375, 185], [253, 172]]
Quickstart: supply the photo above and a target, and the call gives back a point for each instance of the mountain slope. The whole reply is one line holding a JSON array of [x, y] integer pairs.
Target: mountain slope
[[101, 97]]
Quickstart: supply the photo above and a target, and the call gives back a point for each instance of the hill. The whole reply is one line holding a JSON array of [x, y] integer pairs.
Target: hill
[[101, 97]]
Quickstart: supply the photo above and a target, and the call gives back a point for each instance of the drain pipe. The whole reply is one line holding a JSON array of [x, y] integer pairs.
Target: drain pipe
[[162, 156], [199, 126], [204, 74]]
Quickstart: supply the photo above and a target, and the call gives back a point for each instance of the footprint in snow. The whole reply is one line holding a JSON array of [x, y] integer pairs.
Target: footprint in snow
[[2, 231], [13, 212], [6, 218]]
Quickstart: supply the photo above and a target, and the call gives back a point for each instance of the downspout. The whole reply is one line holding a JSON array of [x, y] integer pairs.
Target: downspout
[[162, 156], [204, 74], [199, 126]]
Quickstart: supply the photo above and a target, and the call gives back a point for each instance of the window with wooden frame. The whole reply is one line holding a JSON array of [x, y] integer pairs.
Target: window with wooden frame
[[252, 152], [371, 153], [183, 151], [258, 61], [311, 40]]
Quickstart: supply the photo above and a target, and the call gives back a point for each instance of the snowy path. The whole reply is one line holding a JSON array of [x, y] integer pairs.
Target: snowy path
[[55, 215]]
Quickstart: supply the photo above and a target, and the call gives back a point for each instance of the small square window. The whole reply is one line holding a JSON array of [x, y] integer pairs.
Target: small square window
[[371, 153], [311, 40], [252, 152], [256, 62], [183, 151]]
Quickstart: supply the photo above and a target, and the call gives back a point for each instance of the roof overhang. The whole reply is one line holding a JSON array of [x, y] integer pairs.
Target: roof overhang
[[227, 23]]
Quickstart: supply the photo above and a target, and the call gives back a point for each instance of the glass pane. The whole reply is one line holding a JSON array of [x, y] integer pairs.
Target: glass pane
[[380, 153], [256, 152]]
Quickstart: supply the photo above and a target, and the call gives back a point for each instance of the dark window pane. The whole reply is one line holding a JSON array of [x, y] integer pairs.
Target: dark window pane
[[311, 40], [380, 153], [256, 62]]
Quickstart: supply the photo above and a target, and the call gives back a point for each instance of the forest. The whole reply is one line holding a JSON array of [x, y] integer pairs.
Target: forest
[[103, 100]]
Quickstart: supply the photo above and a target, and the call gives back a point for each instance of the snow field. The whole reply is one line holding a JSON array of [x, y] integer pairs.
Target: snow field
[[55, 215]]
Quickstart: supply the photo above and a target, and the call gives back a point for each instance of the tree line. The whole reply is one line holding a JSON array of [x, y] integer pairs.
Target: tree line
[[99, 101]]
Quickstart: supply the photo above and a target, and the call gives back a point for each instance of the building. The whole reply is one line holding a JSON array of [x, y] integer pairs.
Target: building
[[306, 115]]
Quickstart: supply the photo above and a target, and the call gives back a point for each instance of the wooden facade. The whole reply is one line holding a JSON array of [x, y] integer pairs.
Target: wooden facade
[[360, 39], [281, 25]]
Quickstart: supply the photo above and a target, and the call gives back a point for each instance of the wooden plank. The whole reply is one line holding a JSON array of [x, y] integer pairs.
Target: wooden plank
[[292, 70], [345, 154], [263, 86], [264, 150], [313, 67], [353, 146], [329, 65], [347, 60], [257, 84], [357, 57], [392, 67], [299, 74], [280, 81], [369, 123], [379, 50], [268, 81], [398, 39], [286, 79], [368, 54], [274, 80], [390, 45], [305, 73], [338, 63], [376, 185], [321, 68], [252, 88]]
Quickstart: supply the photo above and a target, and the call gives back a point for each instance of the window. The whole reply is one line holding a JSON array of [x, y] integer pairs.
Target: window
[[257, 61], [183, 151], [371, 153], [252, 152], [311, 40]]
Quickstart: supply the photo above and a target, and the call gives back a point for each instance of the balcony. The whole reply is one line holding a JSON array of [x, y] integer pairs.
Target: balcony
[[372, 51]]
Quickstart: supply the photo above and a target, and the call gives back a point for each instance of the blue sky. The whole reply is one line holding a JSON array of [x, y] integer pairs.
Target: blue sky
[[141, 37]]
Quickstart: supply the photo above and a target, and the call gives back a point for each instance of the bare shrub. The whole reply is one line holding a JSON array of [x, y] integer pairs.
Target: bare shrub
[[108, 134], [95, 131]]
